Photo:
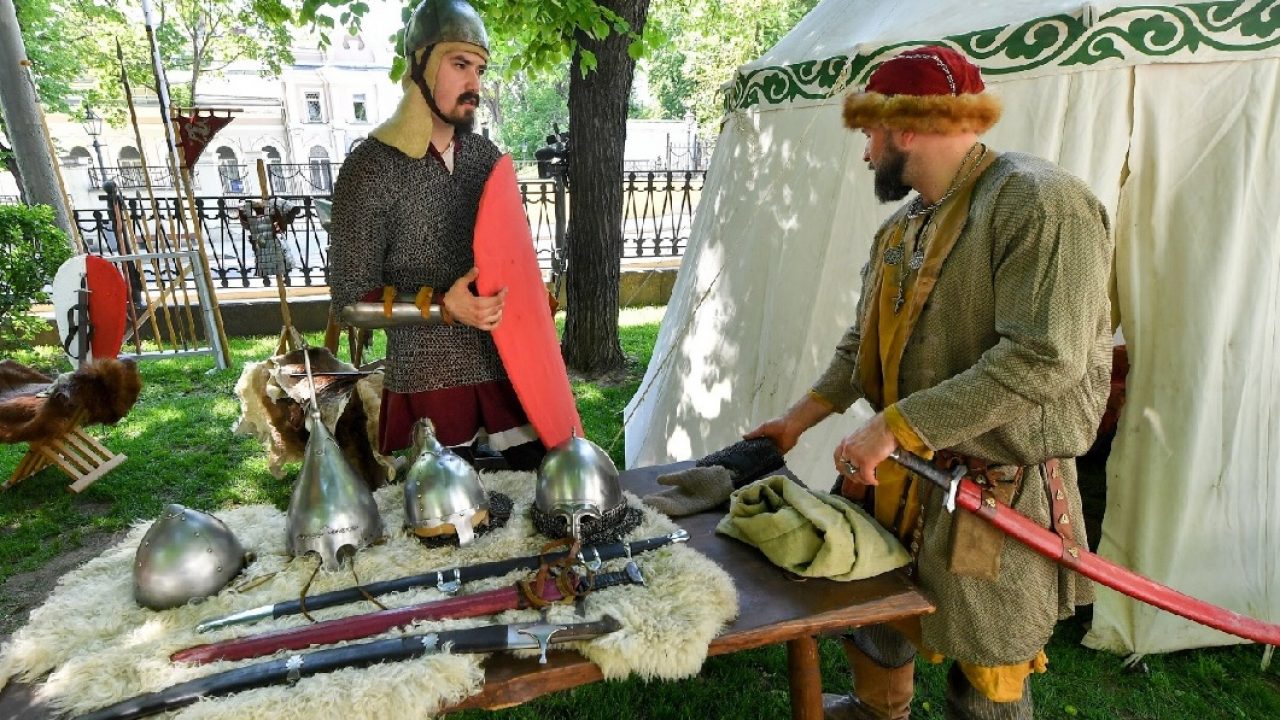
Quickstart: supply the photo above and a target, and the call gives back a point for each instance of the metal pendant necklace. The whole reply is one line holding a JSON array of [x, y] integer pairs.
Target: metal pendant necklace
[[894, 254]]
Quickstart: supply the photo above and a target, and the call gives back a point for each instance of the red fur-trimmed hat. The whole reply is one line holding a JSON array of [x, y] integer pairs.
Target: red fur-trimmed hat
[[930, 89]]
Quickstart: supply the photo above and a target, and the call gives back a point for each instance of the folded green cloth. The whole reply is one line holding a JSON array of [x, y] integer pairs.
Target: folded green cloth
[[812, 534]]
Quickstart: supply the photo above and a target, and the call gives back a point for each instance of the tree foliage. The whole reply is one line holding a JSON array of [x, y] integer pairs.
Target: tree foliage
[[709, 41], [529, 108], [32, 247], [73, 42]]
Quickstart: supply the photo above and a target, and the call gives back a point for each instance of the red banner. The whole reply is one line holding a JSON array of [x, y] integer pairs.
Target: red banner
[[196, 129]]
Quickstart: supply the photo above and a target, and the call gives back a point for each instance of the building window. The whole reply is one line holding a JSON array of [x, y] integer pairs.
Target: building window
[[358, 110], [229, 171], [275, 172], [131, 171], [315, 113], [321, 171], [79, 156]]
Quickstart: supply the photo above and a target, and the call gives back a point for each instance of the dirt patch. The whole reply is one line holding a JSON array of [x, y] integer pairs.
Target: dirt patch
[[23, 592]]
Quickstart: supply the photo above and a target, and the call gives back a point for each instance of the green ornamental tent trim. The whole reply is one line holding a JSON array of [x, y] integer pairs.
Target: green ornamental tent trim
[[1124, 35]]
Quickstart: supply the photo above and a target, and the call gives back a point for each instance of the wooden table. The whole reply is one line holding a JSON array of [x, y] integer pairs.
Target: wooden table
[[774, 608]]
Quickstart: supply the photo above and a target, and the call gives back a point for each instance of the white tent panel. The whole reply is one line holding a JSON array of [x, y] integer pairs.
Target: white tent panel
[[1193, 489], [837, 27]]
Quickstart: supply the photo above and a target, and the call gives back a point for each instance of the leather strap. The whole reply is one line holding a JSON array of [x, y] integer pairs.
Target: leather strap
[[982, 472], [1060, 511]]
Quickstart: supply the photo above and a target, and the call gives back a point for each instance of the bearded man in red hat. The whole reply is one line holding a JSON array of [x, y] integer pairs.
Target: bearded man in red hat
[[983, 336]]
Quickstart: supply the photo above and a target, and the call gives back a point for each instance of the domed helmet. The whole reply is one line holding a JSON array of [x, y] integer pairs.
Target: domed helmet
[[332, 512], [578, 492], [442, 492], [437, 21], [185, 555]]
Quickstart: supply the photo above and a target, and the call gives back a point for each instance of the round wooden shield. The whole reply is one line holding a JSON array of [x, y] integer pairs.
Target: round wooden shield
[[526, 336], [102, 309]]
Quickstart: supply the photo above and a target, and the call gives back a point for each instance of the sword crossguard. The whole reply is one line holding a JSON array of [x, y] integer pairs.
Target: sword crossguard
[[541, 634], [957, 474]]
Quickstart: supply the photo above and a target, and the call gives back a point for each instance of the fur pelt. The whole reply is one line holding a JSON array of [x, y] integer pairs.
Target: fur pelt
[[933, 114], [273, 408], [99, 647], [34, 406]]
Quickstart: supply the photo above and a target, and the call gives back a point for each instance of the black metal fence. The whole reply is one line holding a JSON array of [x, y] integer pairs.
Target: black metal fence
[[658, 212]]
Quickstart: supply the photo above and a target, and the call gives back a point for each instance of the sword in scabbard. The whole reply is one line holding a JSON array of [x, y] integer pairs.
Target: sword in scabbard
[[361, 626], [447, 581], [489, 638], [966, 494]]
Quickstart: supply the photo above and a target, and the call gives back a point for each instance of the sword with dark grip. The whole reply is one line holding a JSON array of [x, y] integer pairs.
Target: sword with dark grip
[[447, 581], [489, 638], [968, 495], [362, 626]]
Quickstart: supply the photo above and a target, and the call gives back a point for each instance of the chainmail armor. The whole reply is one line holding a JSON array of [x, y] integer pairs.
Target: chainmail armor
[[409, 223]]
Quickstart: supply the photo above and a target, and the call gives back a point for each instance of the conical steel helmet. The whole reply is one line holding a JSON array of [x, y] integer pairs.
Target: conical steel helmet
[[332, 511], [185, 555], [437, 21], [442, 492], [577, 480]]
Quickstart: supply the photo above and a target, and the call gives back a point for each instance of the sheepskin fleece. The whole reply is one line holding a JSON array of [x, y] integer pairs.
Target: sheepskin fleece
[[257, 386], [99, 647]]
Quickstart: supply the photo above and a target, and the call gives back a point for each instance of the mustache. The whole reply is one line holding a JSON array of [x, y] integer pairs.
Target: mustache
[[469, 97]]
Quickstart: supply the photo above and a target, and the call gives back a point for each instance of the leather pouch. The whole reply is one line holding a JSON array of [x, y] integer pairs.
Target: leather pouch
[[976, 545]]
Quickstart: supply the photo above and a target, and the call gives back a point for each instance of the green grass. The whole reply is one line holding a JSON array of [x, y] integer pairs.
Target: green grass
[[181, 449]]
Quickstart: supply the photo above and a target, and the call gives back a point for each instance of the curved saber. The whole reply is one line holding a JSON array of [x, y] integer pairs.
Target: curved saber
[[965, 493]]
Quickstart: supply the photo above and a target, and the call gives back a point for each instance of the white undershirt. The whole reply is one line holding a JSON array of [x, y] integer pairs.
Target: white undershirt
[[447, 156]]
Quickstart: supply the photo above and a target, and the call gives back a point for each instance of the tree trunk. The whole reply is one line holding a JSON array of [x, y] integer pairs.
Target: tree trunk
[[21, 112], [598, 130]]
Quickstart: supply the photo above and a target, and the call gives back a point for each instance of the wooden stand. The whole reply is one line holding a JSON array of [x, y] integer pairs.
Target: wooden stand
[[76, 453]]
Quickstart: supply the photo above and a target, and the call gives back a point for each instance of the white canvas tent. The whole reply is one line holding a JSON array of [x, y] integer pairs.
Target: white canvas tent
[[1170, 113]]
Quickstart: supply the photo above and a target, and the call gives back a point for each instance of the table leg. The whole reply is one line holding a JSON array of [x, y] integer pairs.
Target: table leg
[[805, 679]]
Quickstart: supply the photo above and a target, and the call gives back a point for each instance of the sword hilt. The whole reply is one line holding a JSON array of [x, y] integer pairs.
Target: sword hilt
[[542, 634], [932, 473], [630, 575]]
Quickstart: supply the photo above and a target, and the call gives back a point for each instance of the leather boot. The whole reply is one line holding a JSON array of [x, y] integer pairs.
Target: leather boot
[[965, 702], [879, 692]]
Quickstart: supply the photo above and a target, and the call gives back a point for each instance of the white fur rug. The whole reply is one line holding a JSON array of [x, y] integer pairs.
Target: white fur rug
[[99, 647]]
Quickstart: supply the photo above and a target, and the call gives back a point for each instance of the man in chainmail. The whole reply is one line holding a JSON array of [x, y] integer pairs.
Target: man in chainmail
[[982, 336], [404, 212]]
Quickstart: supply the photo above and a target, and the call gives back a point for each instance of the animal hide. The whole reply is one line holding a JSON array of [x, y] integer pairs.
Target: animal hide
[[112, 649], [34, 406], [274, 400]]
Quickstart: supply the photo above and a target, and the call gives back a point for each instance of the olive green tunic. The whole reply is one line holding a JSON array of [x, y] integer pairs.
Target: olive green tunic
[[1009, 361]]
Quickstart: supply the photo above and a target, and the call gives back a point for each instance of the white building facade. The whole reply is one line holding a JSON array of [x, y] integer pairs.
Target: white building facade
[[301, 124]]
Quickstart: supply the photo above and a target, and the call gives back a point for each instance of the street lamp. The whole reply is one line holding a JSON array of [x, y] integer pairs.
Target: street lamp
[[93, 128]]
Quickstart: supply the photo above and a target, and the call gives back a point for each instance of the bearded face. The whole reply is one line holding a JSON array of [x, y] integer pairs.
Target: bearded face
[[457, 87], [889, 170], [462, 114]]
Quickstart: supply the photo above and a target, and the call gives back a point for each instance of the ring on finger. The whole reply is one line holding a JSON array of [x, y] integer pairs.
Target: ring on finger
[[848, 466]]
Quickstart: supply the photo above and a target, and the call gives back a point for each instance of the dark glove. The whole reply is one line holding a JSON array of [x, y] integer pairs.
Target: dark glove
[[692, 491], [748, 460], [713, 478]]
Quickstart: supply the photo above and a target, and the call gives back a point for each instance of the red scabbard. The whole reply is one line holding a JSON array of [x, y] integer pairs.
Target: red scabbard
[[970, 496], [360, 626]]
